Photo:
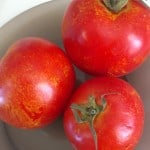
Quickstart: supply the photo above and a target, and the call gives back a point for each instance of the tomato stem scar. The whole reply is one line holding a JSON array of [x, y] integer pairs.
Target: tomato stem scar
[[115, 5], [89, 112]]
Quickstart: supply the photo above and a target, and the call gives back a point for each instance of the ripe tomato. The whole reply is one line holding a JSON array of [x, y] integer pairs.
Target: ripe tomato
[[36, 80], [104, 114], [101, 42]]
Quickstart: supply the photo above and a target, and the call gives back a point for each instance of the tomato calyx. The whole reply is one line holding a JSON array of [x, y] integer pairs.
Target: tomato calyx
[[87, 113], [115, 5]]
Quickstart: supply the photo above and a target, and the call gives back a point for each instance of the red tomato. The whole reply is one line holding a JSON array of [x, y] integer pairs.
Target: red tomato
[[101, 42], [36, 80], [104, 114]]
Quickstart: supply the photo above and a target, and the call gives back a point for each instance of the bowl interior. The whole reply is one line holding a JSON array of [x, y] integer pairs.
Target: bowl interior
[[140, 79], [45, 21]]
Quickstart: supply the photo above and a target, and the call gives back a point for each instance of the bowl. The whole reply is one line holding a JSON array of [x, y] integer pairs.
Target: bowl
[[45, 21], [140, 80]]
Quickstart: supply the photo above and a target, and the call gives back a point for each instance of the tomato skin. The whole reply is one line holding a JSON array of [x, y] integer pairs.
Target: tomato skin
[[36, 80], [118, 127], [100, 42]]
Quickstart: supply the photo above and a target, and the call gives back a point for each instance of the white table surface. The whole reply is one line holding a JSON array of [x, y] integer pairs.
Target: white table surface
[[11, 8]]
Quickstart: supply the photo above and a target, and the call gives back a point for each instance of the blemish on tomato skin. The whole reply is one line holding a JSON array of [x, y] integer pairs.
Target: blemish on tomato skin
[[30, 114], [118, 68], [24, 122]]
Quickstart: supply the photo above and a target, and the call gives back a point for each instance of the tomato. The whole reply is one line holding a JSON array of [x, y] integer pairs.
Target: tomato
[[36, 80], [103, 42], [104, 113]]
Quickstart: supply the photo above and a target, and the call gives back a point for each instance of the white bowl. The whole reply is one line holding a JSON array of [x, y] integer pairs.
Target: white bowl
[[45, 21]]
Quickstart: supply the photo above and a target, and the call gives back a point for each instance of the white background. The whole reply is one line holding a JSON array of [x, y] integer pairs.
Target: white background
[[11, 8]]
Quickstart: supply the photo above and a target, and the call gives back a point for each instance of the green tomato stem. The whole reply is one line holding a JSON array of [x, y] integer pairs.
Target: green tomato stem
[[89, 112], [115, 5]]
